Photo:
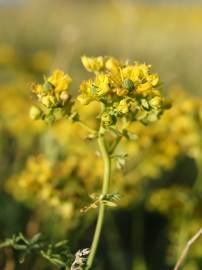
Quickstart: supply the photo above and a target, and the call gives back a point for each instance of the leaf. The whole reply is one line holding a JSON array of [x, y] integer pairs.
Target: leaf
[[56, 253], [94, 196], [109, 203], [90, 206], [37, 237], [113, 196]]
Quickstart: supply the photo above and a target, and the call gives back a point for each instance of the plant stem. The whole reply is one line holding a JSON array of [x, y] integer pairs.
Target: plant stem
[[186, 249], [105, 190], [82, 124], [117, 141]]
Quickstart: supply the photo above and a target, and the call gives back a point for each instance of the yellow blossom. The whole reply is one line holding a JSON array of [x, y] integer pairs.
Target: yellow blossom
[[120, 85], [154, 79], [53, 97], [102, 82], [60, 80], [112, 64], [121, 91], [144, 87], [131, 72], [37, 88], [156, 101], [93, 64], [144, 69], [123, 106]]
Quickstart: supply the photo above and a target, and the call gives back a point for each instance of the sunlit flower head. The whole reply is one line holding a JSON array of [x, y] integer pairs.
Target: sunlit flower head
[[53, 97], [126, 90]]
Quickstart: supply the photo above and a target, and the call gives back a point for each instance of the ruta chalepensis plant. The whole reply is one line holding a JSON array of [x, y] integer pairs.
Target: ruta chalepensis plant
[[127, 93]]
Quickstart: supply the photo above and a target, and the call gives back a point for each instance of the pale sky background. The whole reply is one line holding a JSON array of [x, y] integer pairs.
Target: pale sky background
[[181, 2]]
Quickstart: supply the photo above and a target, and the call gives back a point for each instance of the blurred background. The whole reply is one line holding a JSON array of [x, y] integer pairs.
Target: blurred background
[[45, 172]]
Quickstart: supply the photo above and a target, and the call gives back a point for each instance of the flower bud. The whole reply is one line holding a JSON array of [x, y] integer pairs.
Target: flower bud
[[47, 86], [128, 84], [123, 106], [93, 64], [64, 96], [112, 64], [34, 113]]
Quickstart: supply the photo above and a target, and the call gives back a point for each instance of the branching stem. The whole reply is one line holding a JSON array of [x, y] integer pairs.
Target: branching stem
[[116, 142], [105, 191]]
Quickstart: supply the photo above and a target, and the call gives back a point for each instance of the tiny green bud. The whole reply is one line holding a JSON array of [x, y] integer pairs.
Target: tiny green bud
[[93, 89], [128, 84], [34, 113], [47, 86]]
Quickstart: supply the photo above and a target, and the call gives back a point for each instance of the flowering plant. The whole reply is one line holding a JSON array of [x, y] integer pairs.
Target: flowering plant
[[127, 94]]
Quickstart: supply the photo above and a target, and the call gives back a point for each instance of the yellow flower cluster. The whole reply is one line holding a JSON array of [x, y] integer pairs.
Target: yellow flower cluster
[[63, 186], [126, 90], [159, 145], [54, 99], [51, 184], [174, 200], [37, 186]]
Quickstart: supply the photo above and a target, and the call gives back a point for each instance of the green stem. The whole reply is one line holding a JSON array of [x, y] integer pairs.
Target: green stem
[[82, 124], [117, 141], [105, 190]]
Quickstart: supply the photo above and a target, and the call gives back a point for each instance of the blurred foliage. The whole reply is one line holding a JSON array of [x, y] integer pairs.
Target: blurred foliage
[[48, 173]]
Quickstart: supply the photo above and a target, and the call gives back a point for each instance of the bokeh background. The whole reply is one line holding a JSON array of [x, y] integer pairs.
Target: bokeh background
[[46, 172]]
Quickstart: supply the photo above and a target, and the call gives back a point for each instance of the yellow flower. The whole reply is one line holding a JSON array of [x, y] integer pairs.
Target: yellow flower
[[144, 87], [60, 80], [124, 88], [123, 106], [102, 82], [155, 102], [154, 79], [93, 64], [112, 64], [121, 92], [84, 99], [86, 93], [37, 88], [48, 100], [131, 72], [144, 69]]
